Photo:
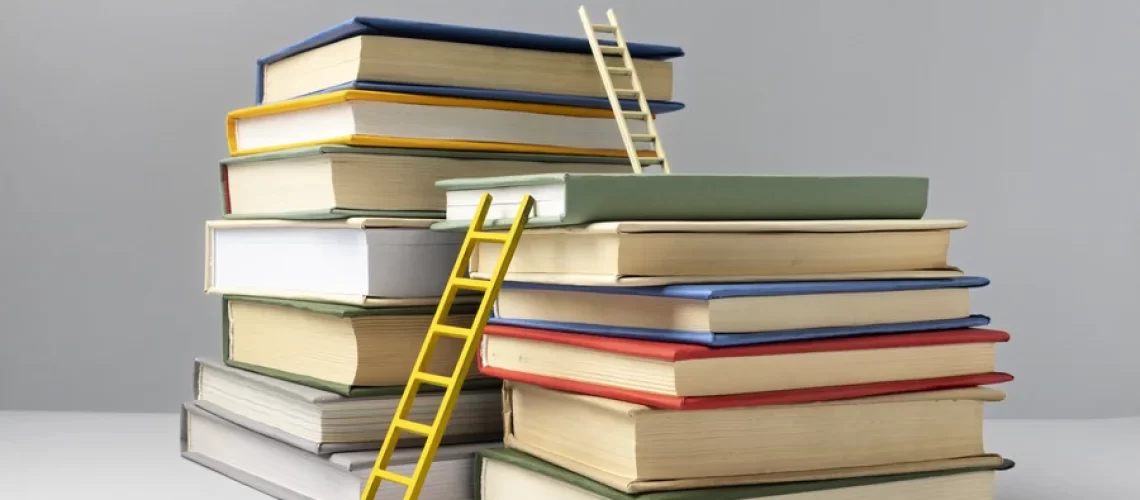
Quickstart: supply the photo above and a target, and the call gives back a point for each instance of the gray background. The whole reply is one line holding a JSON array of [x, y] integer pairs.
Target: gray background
[[1024, 114]]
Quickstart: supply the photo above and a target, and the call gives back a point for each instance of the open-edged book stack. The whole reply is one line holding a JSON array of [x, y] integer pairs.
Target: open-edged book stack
[[733, 337], [324, 259]]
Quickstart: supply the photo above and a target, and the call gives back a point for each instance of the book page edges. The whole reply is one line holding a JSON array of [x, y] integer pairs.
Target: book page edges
[[350, 223], [419, 143], [633, 486], [638, 281], [351, 300]]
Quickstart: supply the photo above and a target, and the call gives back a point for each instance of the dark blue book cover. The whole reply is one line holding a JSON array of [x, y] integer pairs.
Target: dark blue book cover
[[707, 292], [358, 26]]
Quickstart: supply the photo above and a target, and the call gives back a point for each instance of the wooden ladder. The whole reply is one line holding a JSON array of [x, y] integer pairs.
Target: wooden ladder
[[471, 337], [619, 48]]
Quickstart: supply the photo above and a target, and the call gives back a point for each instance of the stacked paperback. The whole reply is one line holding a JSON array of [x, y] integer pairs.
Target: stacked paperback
[[733, 337], [325, 262]]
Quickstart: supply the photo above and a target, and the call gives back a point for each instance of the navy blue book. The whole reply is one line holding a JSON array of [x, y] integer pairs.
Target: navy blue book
[[736, 314], [447, 60]]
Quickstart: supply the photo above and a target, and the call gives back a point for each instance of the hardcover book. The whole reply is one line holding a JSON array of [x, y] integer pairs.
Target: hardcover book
[[684, 376], [390, 119], [634, 448], [347, 350], [323, 422], [567, 199], [371, 50], [506, 474], [727, 314], [289, 473], [338, 182], [650, 253], [376, 262]]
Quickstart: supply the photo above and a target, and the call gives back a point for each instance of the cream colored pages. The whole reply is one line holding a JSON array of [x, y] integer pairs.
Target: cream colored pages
[[622, 280], [765, 226]]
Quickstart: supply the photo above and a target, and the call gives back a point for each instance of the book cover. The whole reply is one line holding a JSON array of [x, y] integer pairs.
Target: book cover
[[706, 292], [343, 213], [360, 25], [590, 198], [342, 96], [341, 311], [534, 464]]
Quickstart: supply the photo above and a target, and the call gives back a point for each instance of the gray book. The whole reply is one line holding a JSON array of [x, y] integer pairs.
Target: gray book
[[286, 472], [323, 422]]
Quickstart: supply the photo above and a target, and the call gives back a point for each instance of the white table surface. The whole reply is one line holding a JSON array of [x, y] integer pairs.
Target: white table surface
[[135, 456]]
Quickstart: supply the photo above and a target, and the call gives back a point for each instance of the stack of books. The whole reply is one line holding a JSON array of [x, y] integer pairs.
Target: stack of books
[[734, 337], [324, 260]]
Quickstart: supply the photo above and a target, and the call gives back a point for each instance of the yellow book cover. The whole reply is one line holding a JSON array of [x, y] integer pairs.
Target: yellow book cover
[[389, 119]]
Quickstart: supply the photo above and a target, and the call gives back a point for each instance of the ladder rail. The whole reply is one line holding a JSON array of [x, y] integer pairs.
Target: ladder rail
[[643, 104], [608, 84], [644, 113], [434, 432]]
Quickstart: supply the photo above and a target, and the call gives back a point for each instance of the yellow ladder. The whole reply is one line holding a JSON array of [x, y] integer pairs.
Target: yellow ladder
[[619, 48], [471, 337]]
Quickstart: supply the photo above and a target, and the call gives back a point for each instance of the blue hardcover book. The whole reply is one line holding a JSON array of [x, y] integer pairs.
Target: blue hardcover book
[[479, 81], [736, 314]]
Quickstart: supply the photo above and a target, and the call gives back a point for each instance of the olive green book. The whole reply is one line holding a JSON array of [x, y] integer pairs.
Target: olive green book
[[329, 320], [565, 199], [506, 474]]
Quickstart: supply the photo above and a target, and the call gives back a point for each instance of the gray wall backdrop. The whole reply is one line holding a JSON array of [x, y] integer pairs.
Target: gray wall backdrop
[[1026, 116]]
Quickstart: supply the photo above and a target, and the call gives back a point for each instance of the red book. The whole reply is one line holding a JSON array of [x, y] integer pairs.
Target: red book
[[689, 377]]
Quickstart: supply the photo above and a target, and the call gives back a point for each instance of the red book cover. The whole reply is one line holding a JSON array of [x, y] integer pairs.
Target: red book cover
[[677, 352]]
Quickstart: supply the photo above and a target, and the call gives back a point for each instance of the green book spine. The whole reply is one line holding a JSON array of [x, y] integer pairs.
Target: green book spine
[[525, 461], [340, 311]]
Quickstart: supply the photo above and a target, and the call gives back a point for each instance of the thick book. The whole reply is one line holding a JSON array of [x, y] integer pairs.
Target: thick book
[[358, 261], [567, 199], [391, 119], [347, 350], [338, 182], [372, 50], [634, 448], [727, 314], [506, 474], [648, 253], [323, 422], [684, 376], [283, 471]]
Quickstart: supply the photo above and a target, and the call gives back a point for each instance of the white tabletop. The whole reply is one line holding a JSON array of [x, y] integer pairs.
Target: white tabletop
[[135, 456]]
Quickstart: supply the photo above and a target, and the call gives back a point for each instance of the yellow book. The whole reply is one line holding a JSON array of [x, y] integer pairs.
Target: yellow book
[[388, 119]]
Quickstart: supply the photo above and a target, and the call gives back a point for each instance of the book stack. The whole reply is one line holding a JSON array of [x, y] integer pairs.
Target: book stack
[[324, 260], [734, 337]]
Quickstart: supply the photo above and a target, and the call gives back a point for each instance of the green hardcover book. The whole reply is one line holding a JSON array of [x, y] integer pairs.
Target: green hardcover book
[[505, 474], [564, 199], [337, 182], [347, 350]]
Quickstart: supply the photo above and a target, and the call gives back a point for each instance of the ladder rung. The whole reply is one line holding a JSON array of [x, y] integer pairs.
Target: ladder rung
[[416, 427], [392, 476], [490, 237], [628, 92], [433, 379], [612, 49], [649, 160], [605, 28], [471, 284], [452, 331], [635, 115], [643, 137], [619, 70]]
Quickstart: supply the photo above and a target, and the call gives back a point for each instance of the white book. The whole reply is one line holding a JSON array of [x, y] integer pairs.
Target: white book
[[359, 261]]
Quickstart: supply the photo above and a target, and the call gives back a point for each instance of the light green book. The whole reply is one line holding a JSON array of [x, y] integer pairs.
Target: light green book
[[507, 474], [565, 199], [337, 182]]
